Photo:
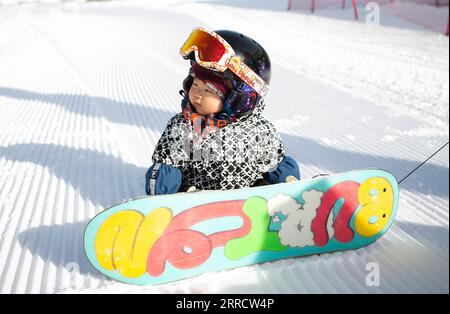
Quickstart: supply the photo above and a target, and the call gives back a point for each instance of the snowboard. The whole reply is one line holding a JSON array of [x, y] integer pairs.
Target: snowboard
[[159, 239]]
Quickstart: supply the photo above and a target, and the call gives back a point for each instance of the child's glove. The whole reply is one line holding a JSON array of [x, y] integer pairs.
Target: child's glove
[[287, 167], [162, 179]]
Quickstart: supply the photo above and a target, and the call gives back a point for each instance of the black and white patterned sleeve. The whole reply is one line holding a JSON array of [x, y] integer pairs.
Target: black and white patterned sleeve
[[169, 149], [272, 148]]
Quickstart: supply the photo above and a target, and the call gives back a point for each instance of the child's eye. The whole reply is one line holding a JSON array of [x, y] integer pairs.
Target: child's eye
[[207, 90]]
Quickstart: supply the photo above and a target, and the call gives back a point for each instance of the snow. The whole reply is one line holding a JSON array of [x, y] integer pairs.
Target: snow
[[87, 88]]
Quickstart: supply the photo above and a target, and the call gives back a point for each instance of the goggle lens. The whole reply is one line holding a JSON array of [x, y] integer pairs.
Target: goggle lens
[[209, 48]]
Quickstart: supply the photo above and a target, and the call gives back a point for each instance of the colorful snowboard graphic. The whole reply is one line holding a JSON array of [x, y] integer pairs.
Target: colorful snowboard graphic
[[160, 239]]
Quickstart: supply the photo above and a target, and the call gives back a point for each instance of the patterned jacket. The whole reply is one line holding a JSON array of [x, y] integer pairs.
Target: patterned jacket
[[230, 157]]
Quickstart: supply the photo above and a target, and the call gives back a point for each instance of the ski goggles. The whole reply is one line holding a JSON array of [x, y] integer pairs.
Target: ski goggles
[[212, 52]]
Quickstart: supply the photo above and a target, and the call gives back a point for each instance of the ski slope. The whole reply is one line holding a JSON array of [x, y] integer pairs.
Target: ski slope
[[87, 88]]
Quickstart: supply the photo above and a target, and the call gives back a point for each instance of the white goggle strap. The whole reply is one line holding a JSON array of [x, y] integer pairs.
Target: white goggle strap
[[245, 73]]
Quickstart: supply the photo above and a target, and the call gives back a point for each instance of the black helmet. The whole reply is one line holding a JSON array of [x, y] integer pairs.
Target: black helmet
[[241, 99], [250, 52]]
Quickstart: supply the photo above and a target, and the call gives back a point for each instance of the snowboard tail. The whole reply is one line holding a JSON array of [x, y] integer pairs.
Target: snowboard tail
[[166, 238]]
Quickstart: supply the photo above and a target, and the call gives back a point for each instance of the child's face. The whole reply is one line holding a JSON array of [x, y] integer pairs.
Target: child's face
[[204, 99]]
